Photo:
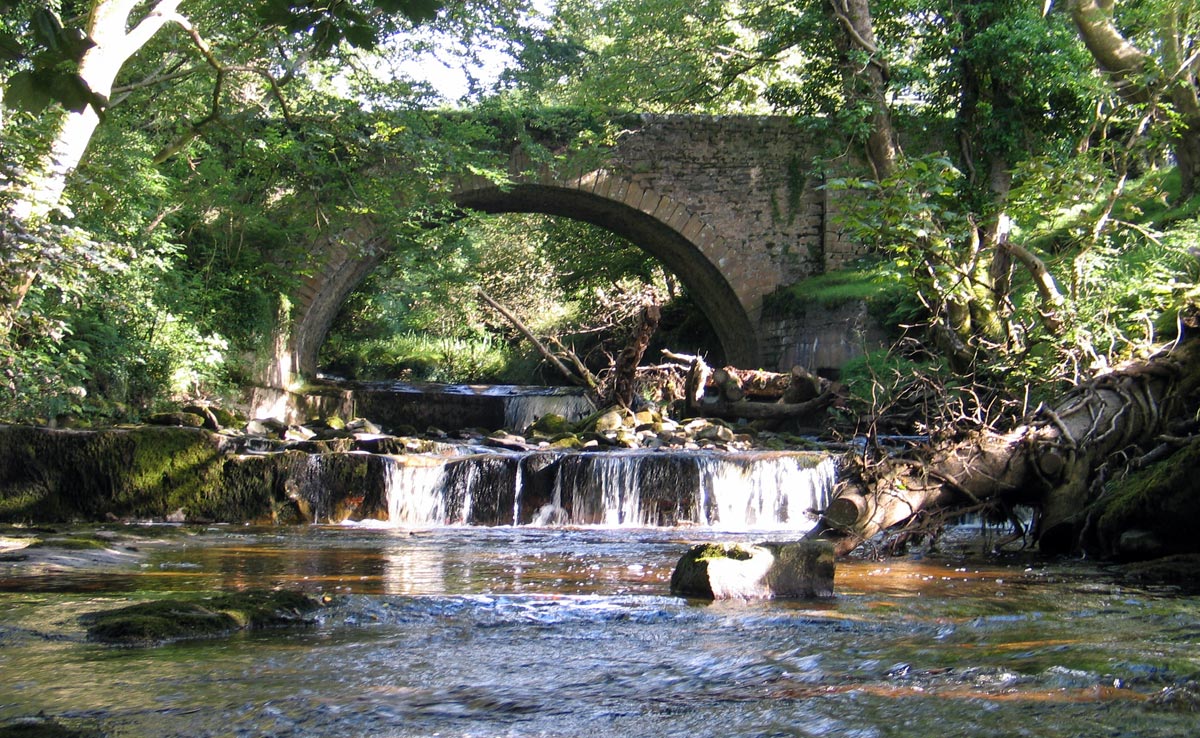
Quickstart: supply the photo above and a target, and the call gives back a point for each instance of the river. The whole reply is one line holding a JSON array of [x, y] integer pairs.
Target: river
[[571, 631]]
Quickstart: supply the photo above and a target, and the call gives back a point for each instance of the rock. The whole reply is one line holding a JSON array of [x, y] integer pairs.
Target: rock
[[1181, 570], [183, 419], [549, 425], [1139, 544], [298, 433], [566, 441], [363, 425], [210, 418], [45, 727], [265, 427], [507, 441], [163, 621], [626, 438], [647, 417], [609, 421], [723, 571], [718, 433]]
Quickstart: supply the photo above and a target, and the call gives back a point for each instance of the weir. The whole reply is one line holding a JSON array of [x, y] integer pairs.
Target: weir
[[444, 406], [725, 490]]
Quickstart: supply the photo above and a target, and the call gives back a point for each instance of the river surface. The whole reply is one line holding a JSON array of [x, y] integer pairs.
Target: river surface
[[526, 631]]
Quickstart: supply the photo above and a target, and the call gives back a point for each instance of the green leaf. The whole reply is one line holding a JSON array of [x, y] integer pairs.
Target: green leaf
[[26, 94], [47, 27], [69, 89], [75, 43], [10, 47], [415, 10], [361, 36]]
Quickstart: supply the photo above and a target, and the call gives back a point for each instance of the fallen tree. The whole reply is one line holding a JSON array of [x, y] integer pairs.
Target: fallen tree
[[1056, 462], [737, 393]]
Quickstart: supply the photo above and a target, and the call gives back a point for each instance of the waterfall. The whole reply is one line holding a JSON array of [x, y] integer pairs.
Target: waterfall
[[416, 491], [764, 490], [520, 411], [733, 491]]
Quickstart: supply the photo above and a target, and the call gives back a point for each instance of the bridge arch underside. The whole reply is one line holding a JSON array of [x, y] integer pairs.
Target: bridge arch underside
[[319, 301], [708, 288]]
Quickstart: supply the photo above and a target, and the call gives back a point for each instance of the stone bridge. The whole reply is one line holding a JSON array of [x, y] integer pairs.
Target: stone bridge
[[724, 202]]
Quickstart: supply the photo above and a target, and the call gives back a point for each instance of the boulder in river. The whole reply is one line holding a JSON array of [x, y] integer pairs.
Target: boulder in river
[[723, 571]]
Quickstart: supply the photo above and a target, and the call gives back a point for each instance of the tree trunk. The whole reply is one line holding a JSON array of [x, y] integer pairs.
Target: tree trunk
[[804, 397], [1052, 463], [1139, 78], [867, 83], [625, 367], [98, 68]]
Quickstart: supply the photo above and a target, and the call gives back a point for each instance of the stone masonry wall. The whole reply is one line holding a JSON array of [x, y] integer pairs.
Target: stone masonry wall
[[747, 177]]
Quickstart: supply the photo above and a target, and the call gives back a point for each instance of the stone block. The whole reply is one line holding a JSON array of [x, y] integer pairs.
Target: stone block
[[723, 571]]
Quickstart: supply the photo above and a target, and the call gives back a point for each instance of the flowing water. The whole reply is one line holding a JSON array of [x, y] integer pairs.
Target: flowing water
[[526, 630]]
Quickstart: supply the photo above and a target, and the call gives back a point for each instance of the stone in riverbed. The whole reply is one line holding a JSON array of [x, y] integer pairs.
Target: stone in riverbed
[[162, 621], [723, 571]]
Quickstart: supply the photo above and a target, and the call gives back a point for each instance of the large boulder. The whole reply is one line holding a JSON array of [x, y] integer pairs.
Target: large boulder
[[723, 571]]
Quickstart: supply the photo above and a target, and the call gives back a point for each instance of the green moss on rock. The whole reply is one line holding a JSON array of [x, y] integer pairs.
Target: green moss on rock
[[41, 727], [163, 621], [1154, 512]]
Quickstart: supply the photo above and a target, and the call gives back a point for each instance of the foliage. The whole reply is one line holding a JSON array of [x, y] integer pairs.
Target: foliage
[[418, 316]]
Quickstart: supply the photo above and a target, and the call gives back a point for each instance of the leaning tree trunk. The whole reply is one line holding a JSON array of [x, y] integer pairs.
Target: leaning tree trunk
[[1051, 463]]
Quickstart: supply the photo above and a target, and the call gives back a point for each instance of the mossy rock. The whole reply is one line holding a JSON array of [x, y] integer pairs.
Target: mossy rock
[[164, 621], [721, 571], [41, 727], [550, 424], [73, 543], [1153, 512], [181, 419]]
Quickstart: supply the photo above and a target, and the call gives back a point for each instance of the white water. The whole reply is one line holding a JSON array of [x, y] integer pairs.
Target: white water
[[520, 411], [742, 491], [778, 491], [415, 490]]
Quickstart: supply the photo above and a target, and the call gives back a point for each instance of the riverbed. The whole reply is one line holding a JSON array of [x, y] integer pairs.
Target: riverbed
[[527, 631]]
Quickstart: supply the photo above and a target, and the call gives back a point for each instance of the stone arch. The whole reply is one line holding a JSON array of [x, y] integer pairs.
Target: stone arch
[[666, 229]]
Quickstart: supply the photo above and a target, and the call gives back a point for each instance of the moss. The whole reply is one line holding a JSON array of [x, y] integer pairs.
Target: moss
[[1163, 499], [45, 728], [143, 472], [719, 551], [74, 543], [868, 283], [550, 424], [163, 621]]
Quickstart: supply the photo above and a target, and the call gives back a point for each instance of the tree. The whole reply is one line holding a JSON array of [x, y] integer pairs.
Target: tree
[[1164, 80], [108, 34]]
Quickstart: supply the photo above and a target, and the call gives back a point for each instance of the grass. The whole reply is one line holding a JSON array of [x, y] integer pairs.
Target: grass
[[424, 357]]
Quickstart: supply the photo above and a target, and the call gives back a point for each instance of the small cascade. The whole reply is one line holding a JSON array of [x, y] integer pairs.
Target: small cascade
[[734, 491], [520, 411], [416, 491], [764, 490], [430, 491]]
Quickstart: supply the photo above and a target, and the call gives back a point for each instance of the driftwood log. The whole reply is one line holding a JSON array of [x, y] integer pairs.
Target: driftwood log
[[1055, 462], [740, 393]]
